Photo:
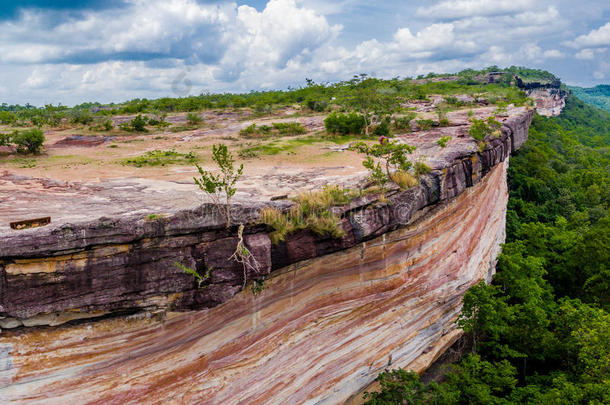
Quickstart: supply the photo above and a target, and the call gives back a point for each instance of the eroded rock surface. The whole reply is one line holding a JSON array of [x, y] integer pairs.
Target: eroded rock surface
[[320, 331], [550, 99], [332, 314]]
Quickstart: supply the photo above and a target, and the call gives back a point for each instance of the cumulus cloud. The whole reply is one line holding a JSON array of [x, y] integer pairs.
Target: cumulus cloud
[[455, 9], [154, 48], [596, 38], [146, 30], [155, 29], [281, 33]]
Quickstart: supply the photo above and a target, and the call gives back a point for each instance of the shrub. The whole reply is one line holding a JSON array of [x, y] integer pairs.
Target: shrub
[[105, 125], [451, 100], [249, 131], [479, 129], [402, 387], [443, 141], [222, 184], [276, 128], [29, 141], [193, 118], [317, 105], [383, 129], [266, 129], [81, 117], [494, 126], [344, 124], [425, 125], [5, 139], [262, 108], [421, 168], [139, 123], [159, 120], [404, 122], [200, 278], [289, 128], [7, 117]]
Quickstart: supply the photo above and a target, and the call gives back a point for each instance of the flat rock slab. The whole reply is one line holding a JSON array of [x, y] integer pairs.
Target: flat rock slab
[[25, 197]]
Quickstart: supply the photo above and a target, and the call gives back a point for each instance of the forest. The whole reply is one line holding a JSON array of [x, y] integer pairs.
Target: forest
[[598, 96], [539, 333]]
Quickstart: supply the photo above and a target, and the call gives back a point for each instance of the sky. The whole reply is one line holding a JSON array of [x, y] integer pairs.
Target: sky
[[110, 51]]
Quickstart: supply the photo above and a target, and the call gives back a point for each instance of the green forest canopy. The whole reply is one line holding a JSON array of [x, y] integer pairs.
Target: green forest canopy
[[598, 96]]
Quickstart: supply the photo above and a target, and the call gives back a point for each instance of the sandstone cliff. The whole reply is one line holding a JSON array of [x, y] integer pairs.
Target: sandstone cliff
[[332, 315], [550, 99]]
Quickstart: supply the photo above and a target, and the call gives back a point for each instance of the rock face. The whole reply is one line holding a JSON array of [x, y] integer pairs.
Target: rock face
[[549, 97], [332, 314]]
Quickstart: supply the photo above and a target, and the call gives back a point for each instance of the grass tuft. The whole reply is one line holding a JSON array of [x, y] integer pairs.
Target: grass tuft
[[312, 210], [404, 179]]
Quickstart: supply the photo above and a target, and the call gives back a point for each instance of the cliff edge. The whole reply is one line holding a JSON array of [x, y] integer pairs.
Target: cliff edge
[[96, 311]]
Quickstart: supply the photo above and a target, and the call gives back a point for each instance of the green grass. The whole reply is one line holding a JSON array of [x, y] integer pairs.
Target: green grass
[[160, 158], [183, 128], [24, 163], [290, 145], [154, 217], [272, 148], [335, 139]]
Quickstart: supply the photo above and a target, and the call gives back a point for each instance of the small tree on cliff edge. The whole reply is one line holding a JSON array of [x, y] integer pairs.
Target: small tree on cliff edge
[[220, 185]]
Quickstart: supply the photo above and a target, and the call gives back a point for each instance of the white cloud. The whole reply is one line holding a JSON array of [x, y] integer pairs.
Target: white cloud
[[455, 9], [553, 53], [281, 33], [596, 38], [179, 29], [534, 53], [585, 54], [151, 47], [432, 37], [209, 46]]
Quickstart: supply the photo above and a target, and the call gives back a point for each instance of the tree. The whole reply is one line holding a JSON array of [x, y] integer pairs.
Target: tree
[[402, 387], [367, 98], [384, 158], [222, 184]]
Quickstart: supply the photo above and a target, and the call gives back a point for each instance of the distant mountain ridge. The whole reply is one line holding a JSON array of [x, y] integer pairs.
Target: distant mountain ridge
[[598, 96]]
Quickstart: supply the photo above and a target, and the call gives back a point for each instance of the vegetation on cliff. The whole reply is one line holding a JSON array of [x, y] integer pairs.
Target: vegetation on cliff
[[539, 332]]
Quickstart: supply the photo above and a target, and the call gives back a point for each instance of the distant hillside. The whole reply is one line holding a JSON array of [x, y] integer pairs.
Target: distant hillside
[[598, 96]]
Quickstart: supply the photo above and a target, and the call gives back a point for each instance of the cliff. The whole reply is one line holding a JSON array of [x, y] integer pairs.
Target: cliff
[[332, 314], [549, 97]]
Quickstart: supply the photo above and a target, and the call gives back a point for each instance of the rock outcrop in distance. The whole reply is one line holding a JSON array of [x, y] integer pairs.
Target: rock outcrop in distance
[[101, 313], [550, 98]]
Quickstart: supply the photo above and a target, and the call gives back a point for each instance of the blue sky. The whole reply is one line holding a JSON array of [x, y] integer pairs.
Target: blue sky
[[76, 51]]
